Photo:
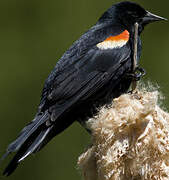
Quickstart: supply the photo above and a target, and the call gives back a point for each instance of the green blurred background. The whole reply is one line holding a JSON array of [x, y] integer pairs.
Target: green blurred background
[[33, 35]]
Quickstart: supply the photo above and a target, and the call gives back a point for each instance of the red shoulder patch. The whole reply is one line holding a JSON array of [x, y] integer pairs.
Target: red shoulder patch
[[123, 36], [114, 41]]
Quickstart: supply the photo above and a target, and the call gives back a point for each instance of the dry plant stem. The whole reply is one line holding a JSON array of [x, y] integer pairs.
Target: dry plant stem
[[134, 83]]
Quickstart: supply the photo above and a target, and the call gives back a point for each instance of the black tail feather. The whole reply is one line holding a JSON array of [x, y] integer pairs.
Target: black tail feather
[[15, 161], [28, 140], [27, 131], [34, 137], [25, 150], [10, 169], [35, 143]]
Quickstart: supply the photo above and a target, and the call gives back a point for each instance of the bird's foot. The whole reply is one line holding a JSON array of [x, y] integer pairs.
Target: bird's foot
[[137, 74]]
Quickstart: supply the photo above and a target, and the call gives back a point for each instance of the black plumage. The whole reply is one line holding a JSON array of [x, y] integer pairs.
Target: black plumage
[[84, 79]]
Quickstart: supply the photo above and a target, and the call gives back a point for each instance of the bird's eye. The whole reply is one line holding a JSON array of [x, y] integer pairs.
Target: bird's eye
[[133, 14]]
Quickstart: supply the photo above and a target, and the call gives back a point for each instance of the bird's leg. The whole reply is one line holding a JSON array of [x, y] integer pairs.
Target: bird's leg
[[141, 70], [137, 74]]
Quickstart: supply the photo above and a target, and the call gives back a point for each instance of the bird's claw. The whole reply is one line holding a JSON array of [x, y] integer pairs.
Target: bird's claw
[[137, 74]]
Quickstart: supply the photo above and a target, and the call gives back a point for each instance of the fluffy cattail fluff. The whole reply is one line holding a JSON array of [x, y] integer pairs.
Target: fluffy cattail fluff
[[130, 140]]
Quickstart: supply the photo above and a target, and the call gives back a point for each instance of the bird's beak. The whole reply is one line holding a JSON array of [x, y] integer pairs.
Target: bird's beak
[[150, 17]]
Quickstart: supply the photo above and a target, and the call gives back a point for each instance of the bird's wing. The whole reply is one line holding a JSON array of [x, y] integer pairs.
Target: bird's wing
[[84, 78], [89, 58]]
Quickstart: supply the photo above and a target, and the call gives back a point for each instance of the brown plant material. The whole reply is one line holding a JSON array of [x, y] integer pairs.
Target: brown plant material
[[130, 140]]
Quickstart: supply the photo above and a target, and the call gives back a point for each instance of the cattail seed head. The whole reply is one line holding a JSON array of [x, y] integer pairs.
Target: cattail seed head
[[130, 140]]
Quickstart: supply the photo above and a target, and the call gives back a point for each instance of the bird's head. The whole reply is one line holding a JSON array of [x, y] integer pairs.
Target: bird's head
[[128, 13]]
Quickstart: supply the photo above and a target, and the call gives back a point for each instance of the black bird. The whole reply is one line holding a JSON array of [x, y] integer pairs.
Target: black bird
[[93, 71]]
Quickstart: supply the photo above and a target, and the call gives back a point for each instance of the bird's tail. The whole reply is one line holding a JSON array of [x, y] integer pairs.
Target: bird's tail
[[28, 141]]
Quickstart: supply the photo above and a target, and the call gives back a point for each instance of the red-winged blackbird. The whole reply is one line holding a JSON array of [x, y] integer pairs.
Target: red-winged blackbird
[[89, 75]]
